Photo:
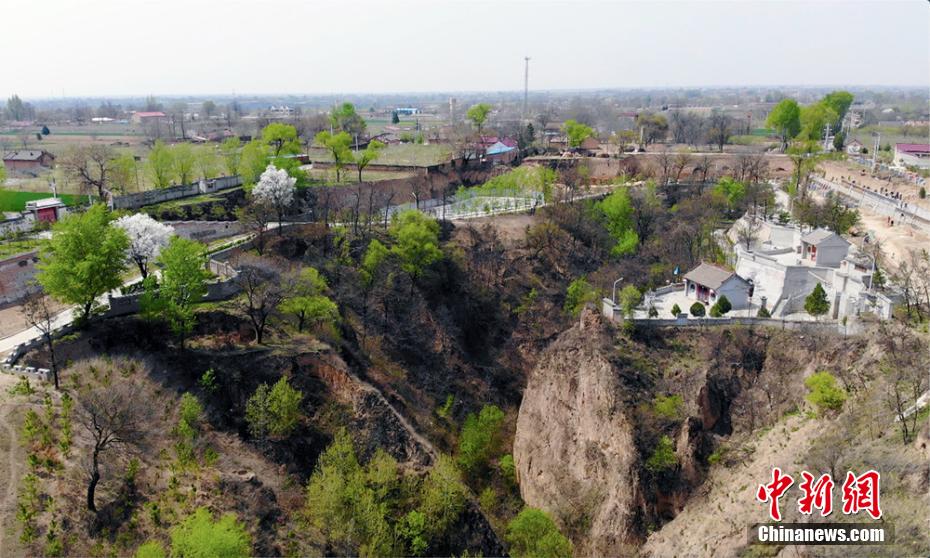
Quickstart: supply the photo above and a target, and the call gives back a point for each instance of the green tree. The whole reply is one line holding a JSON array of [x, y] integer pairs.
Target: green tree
[[697, 310], [480, 438], [199, 536], [576, 132], [839, 102], [394, 118], [183, 284], [785, 118], [124, 173], [343, 500], [416, 242], [442, 497], [2, 173], [618, 218], [281, 139], [630, 297], [346, 119], [306, 300], [814, 119], [663, 457], [253, 160], [824, 394], [413, 528], [369, 154], [816, 303], [533, 534], [84, 258], [478, 114], [338, 146], [839, 140], [207, 161], [274, 411], [184, 160], [676, 310], [763, 313], [161, 165], [578, 293], [229, 150], [731, 191]]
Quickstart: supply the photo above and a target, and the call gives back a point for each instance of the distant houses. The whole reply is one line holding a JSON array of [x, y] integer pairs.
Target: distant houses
[[30, 160], [145, 117], [912, 155], [854, 147]]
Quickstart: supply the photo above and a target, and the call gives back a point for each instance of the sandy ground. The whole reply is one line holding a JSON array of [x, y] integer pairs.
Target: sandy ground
[[897, 241], [511, 228], [837, 170]]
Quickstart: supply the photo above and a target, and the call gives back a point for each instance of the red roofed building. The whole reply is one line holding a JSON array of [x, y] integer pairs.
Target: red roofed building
[[141, 117], [912, 155]]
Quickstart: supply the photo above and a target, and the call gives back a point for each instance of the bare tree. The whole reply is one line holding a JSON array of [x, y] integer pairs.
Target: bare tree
[[256, 216], [748, 231], [681, 161], [90, 165], [719, 129], [260, 281], [37, 309], [665, 162], [115, 417], [904, 363]]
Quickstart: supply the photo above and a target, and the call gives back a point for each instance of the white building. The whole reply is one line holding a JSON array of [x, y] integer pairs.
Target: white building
[[707, 283]]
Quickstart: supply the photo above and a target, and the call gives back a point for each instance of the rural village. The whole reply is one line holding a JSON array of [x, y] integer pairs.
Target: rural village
[[530, 323]]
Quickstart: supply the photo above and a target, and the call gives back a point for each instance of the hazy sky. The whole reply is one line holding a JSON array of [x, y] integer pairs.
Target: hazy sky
[[123, 47]]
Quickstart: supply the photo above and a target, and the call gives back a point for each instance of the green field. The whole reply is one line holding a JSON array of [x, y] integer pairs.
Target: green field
[[16, 201]]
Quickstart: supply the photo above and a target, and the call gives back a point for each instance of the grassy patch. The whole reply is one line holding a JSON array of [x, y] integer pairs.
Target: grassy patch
[[19, 247], [16, 201]]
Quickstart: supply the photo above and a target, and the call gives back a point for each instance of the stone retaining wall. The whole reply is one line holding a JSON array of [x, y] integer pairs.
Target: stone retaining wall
[[151, 197]]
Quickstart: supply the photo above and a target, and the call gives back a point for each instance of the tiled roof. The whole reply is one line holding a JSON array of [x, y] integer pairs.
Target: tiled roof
[[709, 275]]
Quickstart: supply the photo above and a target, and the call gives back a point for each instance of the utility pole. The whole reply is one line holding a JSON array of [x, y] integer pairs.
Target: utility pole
[[526, 84], [826, 137], [875, 145]]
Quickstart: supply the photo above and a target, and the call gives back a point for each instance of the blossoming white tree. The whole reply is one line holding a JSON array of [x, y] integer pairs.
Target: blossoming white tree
[[275, 188], [146, 238]]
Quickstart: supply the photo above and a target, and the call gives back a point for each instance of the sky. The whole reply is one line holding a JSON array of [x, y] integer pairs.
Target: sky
[[54, 48]]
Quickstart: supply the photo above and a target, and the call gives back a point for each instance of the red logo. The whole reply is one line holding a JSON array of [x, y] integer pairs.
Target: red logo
[[860, 493]]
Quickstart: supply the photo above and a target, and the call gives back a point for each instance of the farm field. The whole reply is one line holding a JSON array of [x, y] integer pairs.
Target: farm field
[[16, 201]]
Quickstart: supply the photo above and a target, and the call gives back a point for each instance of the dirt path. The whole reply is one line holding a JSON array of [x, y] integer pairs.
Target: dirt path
[[11, 468]]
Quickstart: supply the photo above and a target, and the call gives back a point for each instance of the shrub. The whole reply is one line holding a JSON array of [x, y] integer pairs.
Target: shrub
[[653, 313], [722, 307], [676, 310], [668, 407], [479, 438], [923, 192], [825, 394], [663, 458], [630, 298], [697, 310], [533, 534], [508, 469], [816, 303], [150, 549], [578, 293], [198, 536], [274, 411], [763, 313]]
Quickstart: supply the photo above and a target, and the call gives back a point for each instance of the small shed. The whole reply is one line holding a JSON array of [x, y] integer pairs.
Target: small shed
[[707, 283], [47, 209], [824, 248]]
